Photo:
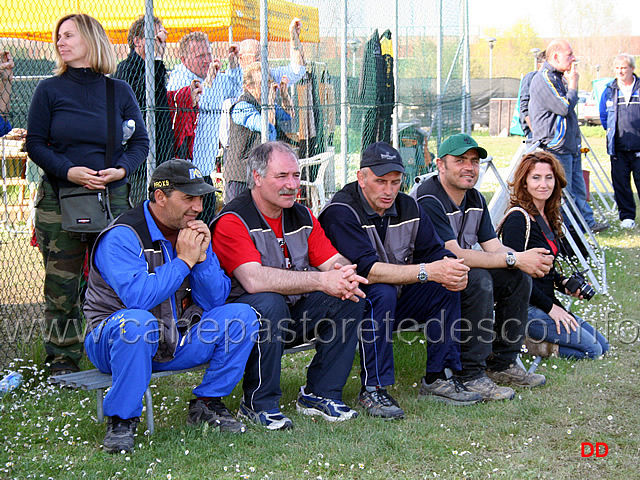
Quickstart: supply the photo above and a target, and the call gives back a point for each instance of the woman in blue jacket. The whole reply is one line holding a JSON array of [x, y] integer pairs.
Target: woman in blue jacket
[[67, 138]]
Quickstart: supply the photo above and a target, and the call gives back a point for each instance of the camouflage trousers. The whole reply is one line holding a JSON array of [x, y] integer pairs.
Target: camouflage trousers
[[64, 255]]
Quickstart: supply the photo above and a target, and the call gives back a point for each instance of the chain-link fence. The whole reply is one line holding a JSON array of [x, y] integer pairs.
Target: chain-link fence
[[211, 112]]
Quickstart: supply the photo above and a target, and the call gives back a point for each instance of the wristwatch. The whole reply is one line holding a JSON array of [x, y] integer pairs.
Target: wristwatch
[[423, 276], [511, 260]]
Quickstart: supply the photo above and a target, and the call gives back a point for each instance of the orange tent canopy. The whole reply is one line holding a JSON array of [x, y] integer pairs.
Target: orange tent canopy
[[217, 18]]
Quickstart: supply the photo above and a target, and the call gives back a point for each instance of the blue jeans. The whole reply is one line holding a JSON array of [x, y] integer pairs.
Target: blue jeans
[[585, 342], [232, 189], [124, 346], [572, 164]]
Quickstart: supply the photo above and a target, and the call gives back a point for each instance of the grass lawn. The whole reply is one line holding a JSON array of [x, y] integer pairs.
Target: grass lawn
[[48, 432]]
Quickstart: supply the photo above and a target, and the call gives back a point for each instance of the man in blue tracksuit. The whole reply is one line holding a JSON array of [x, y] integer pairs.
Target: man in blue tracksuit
[[554, 122], [620, 117], [156, 301]]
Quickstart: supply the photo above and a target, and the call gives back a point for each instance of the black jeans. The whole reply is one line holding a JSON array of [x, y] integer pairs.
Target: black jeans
[[333, 322], [622, 166], [485, 343]]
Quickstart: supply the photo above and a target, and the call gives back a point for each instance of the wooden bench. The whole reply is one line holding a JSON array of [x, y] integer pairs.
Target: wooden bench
[[98, 381]]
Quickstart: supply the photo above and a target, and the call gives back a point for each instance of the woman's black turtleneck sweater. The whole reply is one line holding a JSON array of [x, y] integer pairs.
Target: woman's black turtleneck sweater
[[67, 125]]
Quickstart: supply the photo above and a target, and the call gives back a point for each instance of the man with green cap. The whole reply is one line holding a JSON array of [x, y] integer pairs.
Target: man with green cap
[[499, 277]]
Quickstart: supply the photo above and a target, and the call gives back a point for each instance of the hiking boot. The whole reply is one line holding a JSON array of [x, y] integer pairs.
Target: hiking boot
[[488, 389], [214, 412], [541, 349], [120, 433], [599, 227], [380, 403], [330, 410], [451, 391], [518, 376], [271, 419]]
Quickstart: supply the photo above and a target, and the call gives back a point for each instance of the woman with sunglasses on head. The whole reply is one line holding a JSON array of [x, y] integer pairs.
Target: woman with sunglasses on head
[[534, 220]]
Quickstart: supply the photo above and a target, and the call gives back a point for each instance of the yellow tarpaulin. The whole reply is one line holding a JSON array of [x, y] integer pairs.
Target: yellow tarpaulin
[[34, 20]]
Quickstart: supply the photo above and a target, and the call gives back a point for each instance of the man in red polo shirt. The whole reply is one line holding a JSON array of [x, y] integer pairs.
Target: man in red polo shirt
[[282, 264]]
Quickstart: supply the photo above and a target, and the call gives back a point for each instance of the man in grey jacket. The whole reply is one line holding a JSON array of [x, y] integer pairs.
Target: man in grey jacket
[[554, 123]]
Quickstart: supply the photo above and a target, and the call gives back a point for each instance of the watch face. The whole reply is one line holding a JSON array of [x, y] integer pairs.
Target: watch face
[[422, 276], [511, 259]]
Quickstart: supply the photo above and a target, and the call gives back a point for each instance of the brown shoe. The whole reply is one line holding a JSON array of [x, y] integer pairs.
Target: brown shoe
[[488, 389], [541, 349], [518, 376]]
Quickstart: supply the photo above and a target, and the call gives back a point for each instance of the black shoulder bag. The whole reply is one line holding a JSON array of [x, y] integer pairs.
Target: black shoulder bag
[[84, 210]]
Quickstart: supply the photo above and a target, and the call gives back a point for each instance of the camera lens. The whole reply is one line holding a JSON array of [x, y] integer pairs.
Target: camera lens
[[587, 291]]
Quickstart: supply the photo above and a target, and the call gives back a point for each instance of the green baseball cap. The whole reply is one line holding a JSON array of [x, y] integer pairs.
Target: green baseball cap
[[460, 144]]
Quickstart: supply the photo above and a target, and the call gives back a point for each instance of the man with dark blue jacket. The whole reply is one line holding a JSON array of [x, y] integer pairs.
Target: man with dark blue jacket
[[620, 117], [412, 278], [554, 122]]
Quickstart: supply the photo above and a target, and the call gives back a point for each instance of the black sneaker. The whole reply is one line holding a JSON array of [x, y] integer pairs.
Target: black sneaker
[[215, 413], [120, 433], [380, 403]]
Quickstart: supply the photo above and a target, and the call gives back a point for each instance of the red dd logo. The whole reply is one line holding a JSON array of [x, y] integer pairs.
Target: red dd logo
[[600, 449]]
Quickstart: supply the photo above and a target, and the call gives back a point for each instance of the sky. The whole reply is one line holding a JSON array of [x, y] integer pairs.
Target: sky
[[503, 13]]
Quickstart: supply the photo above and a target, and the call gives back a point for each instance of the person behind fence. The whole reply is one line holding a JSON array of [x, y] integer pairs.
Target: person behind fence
[[413, 279], [534, 220], [67, 137], [283, 265], [6, 84], [294, 71], [245, 131], [499, 281], [620, 117], [216, 87], [554, 122], [132, 71], [186, 78], [156, 300], [283, 76]]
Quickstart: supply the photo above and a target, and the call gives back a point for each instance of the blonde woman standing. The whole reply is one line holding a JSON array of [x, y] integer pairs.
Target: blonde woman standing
[[67, 138]]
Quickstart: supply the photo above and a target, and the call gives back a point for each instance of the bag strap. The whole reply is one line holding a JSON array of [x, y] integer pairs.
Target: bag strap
[[111, 118], [111, 138], [528, 221], [545, 228]]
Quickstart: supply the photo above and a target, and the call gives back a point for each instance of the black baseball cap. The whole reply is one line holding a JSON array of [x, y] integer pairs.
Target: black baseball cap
[[182, 175], [381, 158]]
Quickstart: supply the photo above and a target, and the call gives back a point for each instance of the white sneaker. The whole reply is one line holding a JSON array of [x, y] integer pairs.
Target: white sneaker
[[628, 223]]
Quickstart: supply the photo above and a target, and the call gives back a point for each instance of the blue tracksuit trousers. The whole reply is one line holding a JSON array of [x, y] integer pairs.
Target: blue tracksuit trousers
[[125, 343], [428, 304]]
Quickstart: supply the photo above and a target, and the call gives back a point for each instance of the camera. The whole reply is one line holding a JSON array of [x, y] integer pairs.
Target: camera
[[577, 281]]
